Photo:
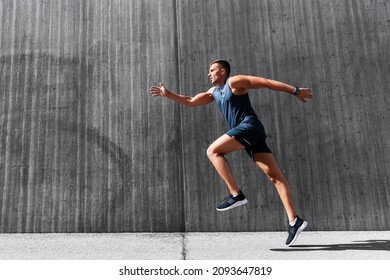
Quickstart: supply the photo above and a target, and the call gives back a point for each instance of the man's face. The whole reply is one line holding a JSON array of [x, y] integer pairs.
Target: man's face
[[215, 73]]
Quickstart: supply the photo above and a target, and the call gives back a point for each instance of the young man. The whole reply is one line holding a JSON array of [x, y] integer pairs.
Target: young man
[[246, 132]]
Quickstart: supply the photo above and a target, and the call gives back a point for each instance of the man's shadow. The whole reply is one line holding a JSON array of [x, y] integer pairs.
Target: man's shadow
[[368, 245]]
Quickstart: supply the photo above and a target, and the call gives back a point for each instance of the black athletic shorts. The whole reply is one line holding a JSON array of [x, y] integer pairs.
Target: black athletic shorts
[[251, 134]]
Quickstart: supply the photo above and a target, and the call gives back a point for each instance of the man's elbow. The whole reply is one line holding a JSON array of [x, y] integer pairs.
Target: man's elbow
[[191, 103]]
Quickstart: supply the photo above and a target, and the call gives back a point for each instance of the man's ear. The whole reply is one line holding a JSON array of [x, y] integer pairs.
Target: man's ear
[[223, 71]]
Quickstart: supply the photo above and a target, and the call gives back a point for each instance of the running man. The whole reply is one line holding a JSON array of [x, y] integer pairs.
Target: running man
[[246, 132]]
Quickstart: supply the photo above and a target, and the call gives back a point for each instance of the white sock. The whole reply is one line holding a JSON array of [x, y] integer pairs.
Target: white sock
[[234, 195], [293, 222]]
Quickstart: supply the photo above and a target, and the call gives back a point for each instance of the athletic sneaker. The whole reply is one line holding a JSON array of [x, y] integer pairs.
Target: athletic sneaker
[[230, 202], [293, 231]]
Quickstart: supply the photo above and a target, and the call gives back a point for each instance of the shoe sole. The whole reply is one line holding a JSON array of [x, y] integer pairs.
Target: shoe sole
[[238, 203], [302, 227]]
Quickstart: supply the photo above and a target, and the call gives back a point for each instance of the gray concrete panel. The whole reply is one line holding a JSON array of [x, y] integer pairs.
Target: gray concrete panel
[[83, 147]]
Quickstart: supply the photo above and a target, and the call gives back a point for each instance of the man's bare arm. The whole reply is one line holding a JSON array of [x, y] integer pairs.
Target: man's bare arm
[[200, 99], [240, 85]]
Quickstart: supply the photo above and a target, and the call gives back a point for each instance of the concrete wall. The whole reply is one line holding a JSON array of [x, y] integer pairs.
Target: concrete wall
[[84, 148]]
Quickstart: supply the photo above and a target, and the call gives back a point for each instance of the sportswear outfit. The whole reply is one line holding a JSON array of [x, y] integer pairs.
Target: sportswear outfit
[[242, 120]]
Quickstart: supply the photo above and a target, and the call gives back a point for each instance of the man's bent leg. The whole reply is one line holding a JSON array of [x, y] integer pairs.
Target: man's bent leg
[[224, 145], [267, 163]]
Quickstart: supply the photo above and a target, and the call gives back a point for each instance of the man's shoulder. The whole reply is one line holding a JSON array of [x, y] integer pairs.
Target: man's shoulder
[[237, 78], [211, 90]]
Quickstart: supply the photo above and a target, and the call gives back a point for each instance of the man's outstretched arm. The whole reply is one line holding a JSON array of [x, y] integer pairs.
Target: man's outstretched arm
[[203, 98], [241, 83]]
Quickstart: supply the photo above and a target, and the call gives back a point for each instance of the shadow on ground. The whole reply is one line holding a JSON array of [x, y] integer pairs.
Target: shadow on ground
[[368, 245]]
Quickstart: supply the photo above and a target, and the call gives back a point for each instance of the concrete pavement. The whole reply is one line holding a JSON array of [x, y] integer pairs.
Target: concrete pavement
[[196, 246]]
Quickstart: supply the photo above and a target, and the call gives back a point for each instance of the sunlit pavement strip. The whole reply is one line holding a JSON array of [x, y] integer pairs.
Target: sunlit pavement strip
[[197, 246]]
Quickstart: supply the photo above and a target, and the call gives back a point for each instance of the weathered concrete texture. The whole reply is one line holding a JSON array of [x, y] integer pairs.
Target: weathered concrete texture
[[142, 246], [84, 148], [270, 245], [196, 246]]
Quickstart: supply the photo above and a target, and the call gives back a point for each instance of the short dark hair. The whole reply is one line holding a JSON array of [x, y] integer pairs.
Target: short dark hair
[[224, 64]]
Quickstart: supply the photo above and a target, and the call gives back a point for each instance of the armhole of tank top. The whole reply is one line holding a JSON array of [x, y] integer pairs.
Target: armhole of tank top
[[211, 90], [228, 84], [227, 81]]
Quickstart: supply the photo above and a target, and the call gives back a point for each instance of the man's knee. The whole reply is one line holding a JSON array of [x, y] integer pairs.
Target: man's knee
[[275, 177], [210, 151]]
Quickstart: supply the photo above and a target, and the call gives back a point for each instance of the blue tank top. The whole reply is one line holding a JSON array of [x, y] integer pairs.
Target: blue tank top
[[235, 108]]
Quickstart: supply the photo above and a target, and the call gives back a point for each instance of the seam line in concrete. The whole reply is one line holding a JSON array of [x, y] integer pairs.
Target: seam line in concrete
[[182, 177], [183, 246]]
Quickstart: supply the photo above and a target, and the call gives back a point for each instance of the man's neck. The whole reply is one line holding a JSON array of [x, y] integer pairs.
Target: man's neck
[[221, 83]]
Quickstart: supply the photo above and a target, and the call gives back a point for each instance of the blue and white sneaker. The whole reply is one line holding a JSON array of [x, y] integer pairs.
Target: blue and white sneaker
[[230, 202], [293, 231]]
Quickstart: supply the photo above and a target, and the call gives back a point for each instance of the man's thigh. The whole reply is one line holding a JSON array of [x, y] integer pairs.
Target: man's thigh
[[225, 144]]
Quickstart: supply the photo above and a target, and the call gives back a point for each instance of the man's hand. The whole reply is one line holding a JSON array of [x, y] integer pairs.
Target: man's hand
[[159, 91], [305, 94]]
